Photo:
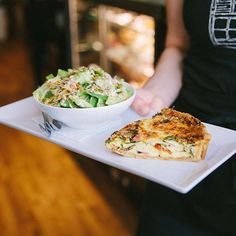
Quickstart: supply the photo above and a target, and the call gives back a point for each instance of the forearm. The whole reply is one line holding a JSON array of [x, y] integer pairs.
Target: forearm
[[162, 89], [167, 79]]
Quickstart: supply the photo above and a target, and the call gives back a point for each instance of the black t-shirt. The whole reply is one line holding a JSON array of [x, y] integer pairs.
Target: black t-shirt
[[209, 80], [209, 91]]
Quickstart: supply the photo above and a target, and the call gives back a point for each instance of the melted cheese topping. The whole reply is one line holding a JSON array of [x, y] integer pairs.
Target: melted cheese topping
[[181, 125]]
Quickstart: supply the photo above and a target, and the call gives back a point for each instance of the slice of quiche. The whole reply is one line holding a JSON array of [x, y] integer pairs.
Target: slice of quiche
[[169, 134]]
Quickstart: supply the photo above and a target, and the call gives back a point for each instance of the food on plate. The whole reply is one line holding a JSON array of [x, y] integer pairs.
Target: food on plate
[[169, 134], [85, 87]]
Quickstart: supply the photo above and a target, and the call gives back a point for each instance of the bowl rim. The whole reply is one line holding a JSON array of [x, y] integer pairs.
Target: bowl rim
[[91, 108]]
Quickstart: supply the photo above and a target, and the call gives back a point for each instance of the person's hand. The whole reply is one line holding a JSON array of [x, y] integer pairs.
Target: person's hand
[[146, 102]]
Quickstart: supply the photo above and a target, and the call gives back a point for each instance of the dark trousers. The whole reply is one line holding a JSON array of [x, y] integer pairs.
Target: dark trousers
[[209, 209]]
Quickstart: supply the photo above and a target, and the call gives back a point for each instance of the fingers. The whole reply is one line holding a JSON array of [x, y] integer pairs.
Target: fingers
[[142, 100], [145, 102], [140, 106], [157, 104], [145, 95]]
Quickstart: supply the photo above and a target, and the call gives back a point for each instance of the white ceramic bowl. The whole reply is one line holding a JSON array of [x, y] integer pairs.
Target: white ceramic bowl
[[88, 118]]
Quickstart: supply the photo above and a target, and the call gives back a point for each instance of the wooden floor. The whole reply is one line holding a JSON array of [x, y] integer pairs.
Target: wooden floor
[[44, 191]]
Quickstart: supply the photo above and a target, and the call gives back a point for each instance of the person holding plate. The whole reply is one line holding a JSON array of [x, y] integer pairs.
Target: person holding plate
[[196, 73]]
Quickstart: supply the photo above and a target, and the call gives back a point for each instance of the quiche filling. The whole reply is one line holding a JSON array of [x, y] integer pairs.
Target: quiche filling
[[159, 148], [167, 135]]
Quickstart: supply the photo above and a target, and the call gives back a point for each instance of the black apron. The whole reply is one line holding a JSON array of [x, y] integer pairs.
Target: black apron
[[209, 93]]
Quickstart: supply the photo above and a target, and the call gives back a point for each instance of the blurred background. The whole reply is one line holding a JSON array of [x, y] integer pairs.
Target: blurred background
[[45, 189]]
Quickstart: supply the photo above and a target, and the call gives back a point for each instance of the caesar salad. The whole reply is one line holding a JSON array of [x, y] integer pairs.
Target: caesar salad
[[85, 87]]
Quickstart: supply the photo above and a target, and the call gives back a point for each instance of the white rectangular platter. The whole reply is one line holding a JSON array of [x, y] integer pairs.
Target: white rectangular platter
[[177, 175]]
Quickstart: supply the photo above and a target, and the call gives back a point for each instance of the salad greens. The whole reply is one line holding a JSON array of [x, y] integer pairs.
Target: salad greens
[[84, 87]]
